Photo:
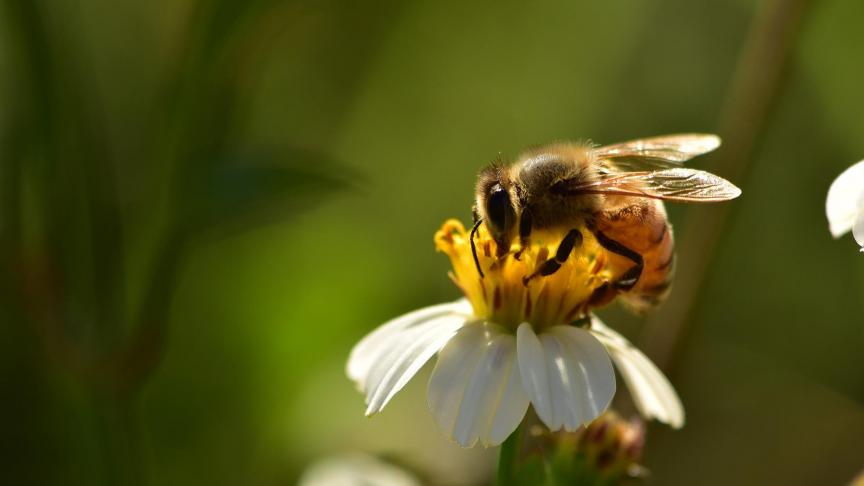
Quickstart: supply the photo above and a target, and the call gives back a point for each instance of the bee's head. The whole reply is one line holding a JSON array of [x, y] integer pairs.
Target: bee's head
[[496, 205]]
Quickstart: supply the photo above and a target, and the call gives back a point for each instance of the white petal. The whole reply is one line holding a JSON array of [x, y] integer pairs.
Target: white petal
[[580, 375], [535, 380], [858, 229], [845, 199], [653, 394], [403, 355], [449, 378], [567, 374], [366, 352], [475, 392], [355, 470], [512, 405]]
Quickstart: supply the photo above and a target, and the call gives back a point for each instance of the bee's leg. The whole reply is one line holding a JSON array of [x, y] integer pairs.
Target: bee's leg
[[573, 239], [631, 276], [477, 222], [524, 232], [602, 295]]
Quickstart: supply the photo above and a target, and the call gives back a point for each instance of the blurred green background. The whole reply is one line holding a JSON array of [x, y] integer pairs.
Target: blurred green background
[[204, 204]]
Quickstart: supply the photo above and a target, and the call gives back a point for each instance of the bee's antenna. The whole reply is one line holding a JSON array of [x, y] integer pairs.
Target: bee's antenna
[[474, 247]]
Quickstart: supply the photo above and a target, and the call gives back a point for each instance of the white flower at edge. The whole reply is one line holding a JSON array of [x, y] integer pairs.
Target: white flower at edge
[[486, 375], [355, 470], [845, 204]]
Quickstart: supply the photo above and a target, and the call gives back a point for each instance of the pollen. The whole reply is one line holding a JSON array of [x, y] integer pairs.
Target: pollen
[[510, 291]]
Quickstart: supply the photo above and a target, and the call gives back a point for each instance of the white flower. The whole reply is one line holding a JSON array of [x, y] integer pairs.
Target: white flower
[[509, 345], [485, 376], [355, 470], [845, 204]]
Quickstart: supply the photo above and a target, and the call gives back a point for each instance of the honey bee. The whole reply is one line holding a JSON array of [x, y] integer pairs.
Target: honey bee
[[616, 192]]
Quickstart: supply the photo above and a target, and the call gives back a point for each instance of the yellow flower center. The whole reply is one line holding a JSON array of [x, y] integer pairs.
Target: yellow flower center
[[503, 296]]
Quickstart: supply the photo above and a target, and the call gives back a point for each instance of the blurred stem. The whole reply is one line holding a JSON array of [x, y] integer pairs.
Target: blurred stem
[[107, 245], [147, 344], [45, 92], [10, 232], [507, 456], [117, 427], [31, 111], [756, 87]]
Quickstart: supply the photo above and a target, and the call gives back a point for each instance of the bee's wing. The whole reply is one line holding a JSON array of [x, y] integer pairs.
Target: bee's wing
[[658, 152], [677, 184]]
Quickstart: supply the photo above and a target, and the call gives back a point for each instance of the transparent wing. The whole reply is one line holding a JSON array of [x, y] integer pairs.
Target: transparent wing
[[677, 184], [658, 152]]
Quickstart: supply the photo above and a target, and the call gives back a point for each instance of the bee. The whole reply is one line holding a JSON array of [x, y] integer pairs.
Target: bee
[[616, 192]]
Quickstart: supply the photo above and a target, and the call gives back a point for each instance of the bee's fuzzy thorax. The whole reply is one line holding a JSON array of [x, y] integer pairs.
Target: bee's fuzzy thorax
[[538, 171]]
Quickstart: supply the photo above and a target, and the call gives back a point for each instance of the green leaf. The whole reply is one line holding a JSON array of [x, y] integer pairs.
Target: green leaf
[[249, 189]]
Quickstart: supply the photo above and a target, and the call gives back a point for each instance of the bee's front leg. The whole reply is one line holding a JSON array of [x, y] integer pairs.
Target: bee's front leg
[[631, 276], [572, 240]]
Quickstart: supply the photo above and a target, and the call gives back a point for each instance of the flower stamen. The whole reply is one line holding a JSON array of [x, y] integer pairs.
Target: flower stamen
[[509, 290]]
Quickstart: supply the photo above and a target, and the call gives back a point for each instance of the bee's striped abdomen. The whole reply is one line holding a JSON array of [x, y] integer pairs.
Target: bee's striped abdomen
[[644, 229]]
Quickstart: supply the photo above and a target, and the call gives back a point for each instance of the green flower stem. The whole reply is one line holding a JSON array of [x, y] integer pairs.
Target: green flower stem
[[507, 457]]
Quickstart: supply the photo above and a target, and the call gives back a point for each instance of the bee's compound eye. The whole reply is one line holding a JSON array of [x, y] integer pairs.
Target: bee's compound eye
[[498, 207]]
